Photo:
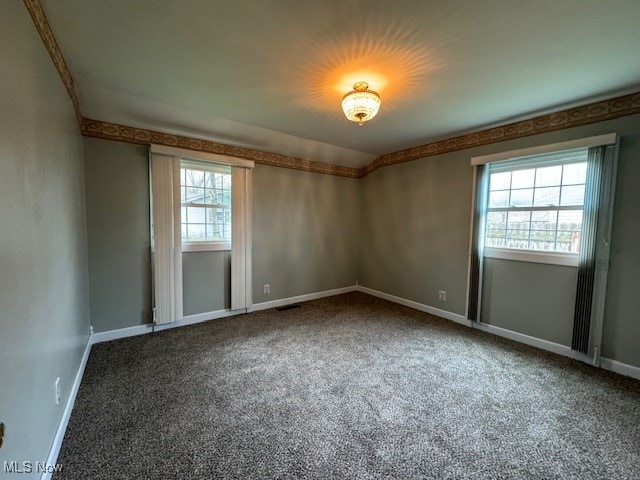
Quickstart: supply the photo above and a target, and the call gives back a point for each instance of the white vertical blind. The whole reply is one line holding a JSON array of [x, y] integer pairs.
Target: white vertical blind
[[167, 234], [163, 238], [241, 241], [177, 240]]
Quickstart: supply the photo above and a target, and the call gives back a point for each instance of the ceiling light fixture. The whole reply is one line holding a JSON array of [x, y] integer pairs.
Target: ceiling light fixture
[[361, 104]]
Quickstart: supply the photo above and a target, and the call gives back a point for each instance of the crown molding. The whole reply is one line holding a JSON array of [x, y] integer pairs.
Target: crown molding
[[34, 7], [591, 113], [572, 117], [123, 133]]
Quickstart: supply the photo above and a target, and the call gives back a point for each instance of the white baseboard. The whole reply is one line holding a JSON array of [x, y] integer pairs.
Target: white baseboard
[[533, 341], [621, 368], [605, 363], [199, 318], [300, 298], [109, 335], [454, 317], [66, 415]]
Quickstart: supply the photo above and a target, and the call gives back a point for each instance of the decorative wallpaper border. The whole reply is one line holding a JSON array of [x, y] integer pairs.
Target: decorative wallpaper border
[[123, 133], [34, 7], [572, 117]]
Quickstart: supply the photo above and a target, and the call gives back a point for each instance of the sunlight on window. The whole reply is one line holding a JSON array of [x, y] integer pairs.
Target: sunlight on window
[[206, 205], [536, 208]]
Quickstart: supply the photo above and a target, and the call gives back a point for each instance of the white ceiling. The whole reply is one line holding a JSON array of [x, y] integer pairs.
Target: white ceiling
[[270, 74]]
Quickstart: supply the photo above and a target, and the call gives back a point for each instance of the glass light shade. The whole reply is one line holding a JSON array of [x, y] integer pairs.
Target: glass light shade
[[361, 104]]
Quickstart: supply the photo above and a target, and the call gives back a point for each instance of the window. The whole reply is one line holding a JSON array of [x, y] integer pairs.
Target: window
[[536, 205], [205, 192]]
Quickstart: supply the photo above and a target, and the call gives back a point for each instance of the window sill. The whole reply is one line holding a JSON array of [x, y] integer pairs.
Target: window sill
[[551, 258], [206, 246]]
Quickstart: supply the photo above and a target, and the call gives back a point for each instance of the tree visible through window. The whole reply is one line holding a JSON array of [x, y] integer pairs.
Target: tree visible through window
[[536, 207], [206, 204]]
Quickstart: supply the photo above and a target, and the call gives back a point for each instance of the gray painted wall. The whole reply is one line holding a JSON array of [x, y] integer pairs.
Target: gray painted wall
[[305, 229], [305, 232], [415, 229], [44, 298], [206, 281], [117, 195], [530, 298]]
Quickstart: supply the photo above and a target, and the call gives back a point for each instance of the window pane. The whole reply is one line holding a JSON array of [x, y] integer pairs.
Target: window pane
[[518, 220], [547, 196], [523, 178], [500, 181], [200, 224], [568, 241], [543, 246], [499, 199], [194, 178], [496, 220], [194, 194], [195, 214], [519, 235], [544, 220], [549, 186], [572, 195], [214, 232], [570, 220], [209, 178], [195, 232], [210, 196], [574, 173], [521, 198], [495, 238], [548, 176], [516, 241], [543, 236]]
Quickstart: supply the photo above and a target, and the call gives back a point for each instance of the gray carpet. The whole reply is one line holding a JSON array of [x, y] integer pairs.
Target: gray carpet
[[346, 387]]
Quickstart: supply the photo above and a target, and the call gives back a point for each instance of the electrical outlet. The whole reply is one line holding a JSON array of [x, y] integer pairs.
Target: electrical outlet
[[267, 289], [57, 390], [442, 296]]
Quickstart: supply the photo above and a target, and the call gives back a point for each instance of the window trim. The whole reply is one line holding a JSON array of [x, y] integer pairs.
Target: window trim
[[521, 254], [595, 141], [566, 259], [204, 246]]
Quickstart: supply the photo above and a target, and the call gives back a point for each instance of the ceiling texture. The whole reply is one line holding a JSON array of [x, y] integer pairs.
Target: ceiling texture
[[271, 74]]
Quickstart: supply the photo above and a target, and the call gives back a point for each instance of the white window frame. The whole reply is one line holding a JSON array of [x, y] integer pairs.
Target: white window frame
[[166, 229], [535, 256], [204, 246], [553, 257]]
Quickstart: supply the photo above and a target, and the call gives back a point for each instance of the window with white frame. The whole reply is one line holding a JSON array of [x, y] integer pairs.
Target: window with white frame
[[537, 204], [205, 193]]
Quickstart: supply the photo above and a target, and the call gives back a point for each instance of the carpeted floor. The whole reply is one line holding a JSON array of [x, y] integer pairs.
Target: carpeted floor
[[346, 387]]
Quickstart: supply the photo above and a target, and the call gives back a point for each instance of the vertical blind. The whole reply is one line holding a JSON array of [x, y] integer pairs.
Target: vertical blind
[[165, 245], [477, 240], [587, 255], [594, 238], [166, 241]]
